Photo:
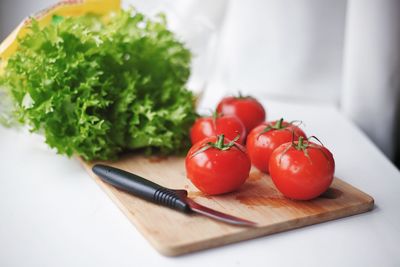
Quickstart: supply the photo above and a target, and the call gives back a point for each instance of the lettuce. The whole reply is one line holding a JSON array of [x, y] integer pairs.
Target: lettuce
[[96, 86]]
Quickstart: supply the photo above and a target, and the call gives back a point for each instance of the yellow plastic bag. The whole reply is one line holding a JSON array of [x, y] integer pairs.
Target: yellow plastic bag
[[63, 8]]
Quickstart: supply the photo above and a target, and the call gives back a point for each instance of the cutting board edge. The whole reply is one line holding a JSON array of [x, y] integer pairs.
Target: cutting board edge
[[181, 249], [259, 232], [184, 248]]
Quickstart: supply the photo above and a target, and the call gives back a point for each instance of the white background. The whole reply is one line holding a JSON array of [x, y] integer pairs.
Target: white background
[[53, 214]]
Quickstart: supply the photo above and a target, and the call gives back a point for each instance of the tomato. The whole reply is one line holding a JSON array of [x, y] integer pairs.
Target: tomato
[[247, 109], [217, 165], [265, 138], [228, 125], [302, 170]]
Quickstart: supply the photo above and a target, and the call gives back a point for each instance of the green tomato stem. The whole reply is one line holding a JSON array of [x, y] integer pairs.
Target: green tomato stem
[[220, 142], [300, 143], [278, 124]]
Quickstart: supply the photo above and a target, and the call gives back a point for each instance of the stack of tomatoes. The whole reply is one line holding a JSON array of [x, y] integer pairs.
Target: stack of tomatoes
[[237, 135]]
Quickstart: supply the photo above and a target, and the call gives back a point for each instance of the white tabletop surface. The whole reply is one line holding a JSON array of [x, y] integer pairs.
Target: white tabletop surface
[[53, 214]]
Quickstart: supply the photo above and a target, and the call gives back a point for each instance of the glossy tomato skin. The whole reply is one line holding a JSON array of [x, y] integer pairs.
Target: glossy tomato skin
[[300, 177], [260, 146], [247, 109], [205, 127], [217, 172]]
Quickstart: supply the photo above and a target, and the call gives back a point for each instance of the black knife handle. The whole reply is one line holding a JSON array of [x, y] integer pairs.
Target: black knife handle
[[140, 187]]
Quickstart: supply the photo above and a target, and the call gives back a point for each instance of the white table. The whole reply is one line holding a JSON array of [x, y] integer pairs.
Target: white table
[[53, 214]]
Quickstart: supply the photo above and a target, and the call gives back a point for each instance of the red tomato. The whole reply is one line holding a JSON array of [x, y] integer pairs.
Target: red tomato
[[247, 109], [265, 138], [230, 126], [302, 170], [217, 165]]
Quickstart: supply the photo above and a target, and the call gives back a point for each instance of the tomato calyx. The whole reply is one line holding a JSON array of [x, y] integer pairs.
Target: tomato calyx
[[241, 96], [220, 144], [303, 144], [279, 126]]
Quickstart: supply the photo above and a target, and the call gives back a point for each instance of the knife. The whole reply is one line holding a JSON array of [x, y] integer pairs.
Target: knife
[[175, 199]]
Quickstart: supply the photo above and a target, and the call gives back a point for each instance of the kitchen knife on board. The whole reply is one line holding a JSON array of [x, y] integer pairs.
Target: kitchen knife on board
[[175, 199]]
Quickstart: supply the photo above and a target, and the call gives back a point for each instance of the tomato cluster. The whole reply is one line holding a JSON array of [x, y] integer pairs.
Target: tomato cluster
[[218, 162]]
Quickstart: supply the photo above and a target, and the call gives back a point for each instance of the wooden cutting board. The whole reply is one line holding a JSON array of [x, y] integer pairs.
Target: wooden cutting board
[[173, 233]]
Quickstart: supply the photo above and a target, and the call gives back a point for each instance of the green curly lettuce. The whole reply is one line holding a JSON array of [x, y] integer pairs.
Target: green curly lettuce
[[97, 86]]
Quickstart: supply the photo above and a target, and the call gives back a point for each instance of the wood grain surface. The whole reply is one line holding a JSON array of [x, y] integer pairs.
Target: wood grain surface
[[173, 233]]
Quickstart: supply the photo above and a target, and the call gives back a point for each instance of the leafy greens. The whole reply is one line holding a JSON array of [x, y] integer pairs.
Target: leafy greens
[[98, 86]]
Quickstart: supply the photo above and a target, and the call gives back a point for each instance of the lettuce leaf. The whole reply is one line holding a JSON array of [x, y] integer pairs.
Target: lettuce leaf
[[98, 86]]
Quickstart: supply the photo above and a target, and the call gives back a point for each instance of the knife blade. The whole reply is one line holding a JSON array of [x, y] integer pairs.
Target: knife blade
[[175, 199]]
